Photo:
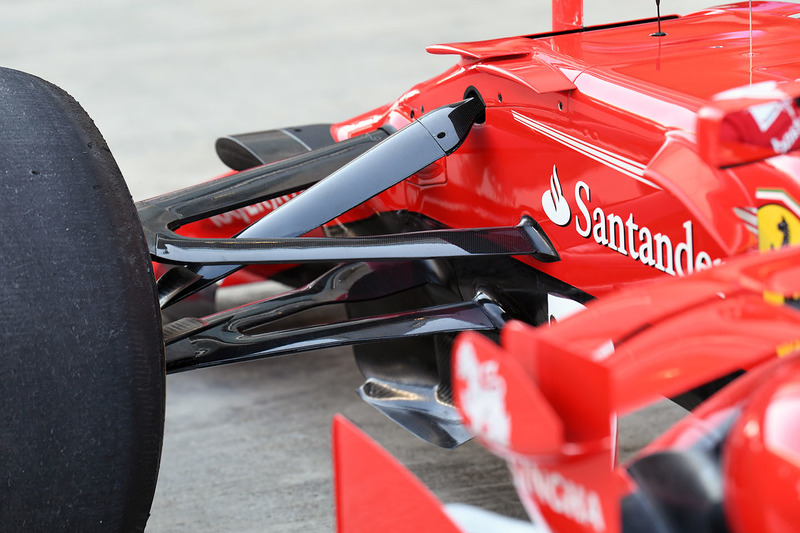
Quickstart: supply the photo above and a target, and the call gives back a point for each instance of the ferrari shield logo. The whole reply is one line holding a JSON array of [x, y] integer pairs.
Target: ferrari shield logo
[[778, 225]]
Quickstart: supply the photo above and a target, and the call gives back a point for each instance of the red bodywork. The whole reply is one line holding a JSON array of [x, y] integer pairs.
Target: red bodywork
[[633, 349], [547, 399], [613, 140], [613, 114], [639, 156]]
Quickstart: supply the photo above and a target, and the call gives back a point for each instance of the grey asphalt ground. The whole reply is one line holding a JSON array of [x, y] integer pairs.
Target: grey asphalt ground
[[247, 446]]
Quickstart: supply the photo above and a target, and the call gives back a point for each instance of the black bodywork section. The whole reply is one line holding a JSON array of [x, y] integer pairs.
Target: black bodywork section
[[679, 490], [248, 150]]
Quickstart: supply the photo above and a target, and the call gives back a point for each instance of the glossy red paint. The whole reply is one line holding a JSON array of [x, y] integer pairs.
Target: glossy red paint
[[613, 113], [642, 158], [627, 351], [761, 456], [699, 328], [626, 127], [393, 501], [762, 460], [567, 14], [562, 468], [750, 124], [547, 399]]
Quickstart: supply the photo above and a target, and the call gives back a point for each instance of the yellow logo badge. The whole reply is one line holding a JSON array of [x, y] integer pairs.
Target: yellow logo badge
[[777, 227]]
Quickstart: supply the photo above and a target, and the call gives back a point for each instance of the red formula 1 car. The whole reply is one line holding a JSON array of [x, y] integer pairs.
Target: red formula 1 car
[[538, 173], [732, 465]]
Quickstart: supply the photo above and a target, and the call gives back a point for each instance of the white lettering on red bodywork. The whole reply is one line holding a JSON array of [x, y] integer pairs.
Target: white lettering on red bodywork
[[483, 397], [561, 495]]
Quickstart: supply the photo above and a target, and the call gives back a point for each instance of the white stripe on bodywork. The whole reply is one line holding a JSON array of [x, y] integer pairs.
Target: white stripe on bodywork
[[617, 162], [780, 196], [749, 217]]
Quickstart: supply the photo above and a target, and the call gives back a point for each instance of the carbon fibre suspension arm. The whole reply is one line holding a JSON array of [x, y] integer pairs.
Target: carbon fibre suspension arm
[[387, 162], [238, 335]]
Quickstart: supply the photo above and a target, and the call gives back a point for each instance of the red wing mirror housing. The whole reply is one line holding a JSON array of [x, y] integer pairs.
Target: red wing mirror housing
[[750, 124]]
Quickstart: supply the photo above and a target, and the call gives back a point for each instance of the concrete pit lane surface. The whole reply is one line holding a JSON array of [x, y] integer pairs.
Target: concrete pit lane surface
[[247, 447]]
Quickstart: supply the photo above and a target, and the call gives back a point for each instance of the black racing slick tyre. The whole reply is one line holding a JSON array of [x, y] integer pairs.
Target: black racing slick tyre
[[81, 350]]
